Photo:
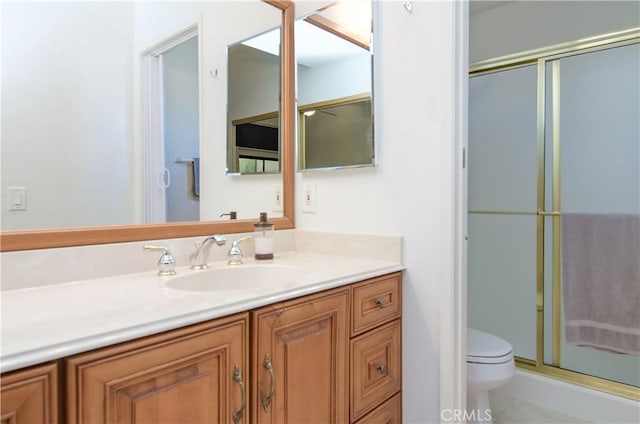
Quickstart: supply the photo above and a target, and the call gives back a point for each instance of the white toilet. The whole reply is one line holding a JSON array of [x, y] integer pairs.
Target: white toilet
[[490, 364]]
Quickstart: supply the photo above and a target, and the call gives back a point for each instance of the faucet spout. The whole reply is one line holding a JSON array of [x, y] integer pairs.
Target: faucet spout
[[200, 257]]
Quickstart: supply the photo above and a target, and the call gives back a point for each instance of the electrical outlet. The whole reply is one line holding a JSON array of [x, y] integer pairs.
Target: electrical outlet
[[277, 198], [309, 200]]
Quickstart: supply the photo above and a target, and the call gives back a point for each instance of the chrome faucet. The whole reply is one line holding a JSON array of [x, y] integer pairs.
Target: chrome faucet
[[200, 257], [235, 254], [166, 264]]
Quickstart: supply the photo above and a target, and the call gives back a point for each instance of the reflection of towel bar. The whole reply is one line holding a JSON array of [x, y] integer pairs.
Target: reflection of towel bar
[[183, 160], [195, 162]]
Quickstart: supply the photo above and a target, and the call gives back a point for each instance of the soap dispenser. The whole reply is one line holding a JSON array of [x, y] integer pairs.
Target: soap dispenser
[[263, 238]]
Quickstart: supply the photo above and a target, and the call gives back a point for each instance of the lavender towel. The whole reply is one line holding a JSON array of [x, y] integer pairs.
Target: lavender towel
[[601, 280]]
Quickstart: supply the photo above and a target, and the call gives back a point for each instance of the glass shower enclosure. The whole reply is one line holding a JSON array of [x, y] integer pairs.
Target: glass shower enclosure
[[553, 134]]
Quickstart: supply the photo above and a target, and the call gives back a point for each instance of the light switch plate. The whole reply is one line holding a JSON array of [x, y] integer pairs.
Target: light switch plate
[[17, 198]]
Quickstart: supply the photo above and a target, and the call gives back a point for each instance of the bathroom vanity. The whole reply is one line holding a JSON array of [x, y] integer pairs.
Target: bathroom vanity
[[324, 346]]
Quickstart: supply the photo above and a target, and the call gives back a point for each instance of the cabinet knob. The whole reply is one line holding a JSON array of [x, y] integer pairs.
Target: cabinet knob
[[381, 303], [382, 368]]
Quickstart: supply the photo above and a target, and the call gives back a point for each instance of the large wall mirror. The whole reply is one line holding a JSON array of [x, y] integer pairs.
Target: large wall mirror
[[335, 74], [109, 106]]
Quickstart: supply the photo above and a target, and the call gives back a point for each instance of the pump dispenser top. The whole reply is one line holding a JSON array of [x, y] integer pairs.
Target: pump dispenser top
[[263, 238]]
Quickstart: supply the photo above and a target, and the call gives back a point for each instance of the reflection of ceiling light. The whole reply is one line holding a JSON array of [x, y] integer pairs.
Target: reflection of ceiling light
[[354, 15], [309, 113]]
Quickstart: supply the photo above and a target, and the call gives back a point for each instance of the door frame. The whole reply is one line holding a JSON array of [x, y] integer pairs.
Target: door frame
[[453, 316]]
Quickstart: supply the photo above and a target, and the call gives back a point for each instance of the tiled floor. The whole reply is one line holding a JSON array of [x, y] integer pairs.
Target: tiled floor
[[506, 411]]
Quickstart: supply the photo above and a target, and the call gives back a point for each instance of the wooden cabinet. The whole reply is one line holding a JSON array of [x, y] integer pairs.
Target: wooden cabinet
[[30, 396], [376, 349], [300, 360], [183, 376], [334, 357], [329, 357]]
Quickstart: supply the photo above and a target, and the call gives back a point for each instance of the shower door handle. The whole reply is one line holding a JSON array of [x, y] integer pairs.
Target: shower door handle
[[551, 213]]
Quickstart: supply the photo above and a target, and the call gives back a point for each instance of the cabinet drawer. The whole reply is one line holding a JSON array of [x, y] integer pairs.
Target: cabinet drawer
[[389, 412], [375, 368], [375, 302]]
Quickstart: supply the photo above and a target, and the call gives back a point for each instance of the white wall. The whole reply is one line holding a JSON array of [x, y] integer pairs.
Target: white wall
[[81, 73], [410, 192]]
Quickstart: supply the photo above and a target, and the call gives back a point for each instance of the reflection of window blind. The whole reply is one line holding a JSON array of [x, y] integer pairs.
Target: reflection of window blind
[[257, 137]]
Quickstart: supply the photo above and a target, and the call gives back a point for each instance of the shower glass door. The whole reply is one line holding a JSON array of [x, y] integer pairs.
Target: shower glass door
[[551, 134], [502, 207], [592, 166]]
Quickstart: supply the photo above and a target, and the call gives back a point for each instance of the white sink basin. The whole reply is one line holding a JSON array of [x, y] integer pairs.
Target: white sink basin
[[237, 278]]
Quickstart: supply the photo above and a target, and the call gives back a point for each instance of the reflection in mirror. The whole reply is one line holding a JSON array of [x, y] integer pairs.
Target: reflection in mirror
[[256, 144], [334, 62], [253, 104], [74, 87], [173, 158], [337, 133]]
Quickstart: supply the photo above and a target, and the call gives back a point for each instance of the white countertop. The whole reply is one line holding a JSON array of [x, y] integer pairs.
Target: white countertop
[[50, 322]]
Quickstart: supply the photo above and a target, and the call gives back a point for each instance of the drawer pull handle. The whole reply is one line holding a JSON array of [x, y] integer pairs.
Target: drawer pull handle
[[381, 303], [237, 377], [382, 368], [266, 401]]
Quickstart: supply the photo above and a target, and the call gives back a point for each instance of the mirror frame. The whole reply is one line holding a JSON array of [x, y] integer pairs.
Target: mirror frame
[[82, 236]]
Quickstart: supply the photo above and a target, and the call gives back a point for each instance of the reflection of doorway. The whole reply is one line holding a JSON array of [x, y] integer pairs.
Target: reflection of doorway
[[172, 131]]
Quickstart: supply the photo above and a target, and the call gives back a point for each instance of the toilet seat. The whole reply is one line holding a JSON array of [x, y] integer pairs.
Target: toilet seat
[[485, 348]]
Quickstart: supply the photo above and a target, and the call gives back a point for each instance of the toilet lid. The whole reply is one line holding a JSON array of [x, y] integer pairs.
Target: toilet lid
[[485, 347]]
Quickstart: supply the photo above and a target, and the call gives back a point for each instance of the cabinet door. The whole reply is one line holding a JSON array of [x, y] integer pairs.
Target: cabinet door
[[30, 396], [182, 376], [300, 360]]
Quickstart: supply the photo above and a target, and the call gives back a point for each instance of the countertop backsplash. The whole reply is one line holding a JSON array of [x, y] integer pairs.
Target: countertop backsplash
[[41, 267], [33, 268]]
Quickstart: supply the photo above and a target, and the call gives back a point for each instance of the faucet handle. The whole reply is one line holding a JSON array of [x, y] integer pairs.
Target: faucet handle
[[235, 254], [166, 263]]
